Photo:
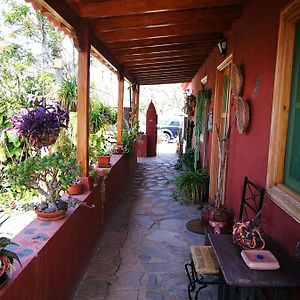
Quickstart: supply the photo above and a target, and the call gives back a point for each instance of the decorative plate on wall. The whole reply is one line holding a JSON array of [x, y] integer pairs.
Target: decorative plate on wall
[[236, 81], [242, 115]]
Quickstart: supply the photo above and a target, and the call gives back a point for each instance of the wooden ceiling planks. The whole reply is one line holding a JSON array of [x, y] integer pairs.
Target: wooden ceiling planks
[[157, 41]]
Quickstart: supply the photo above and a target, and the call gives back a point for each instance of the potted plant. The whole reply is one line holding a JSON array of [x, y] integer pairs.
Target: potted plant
[[129, 136], [76, 187], [40, 125], [103, 157], [50, 175], [190, 104], [193, 186], [7, 258]]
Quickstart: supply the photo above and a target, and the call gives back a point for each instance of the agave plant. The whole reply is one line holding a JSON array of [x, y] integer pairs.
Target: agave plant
[[6, 256]]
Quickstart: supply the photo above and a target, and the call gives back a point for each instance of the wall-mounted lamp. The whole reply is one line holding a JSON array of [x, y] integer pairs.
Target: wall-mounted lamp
[[222, 46]]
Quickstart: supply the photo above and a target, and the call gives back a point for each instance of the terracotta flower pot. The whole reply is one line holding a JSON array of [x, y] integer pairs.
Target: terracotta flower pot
[[75, 189], [103, 160], [58, 214]]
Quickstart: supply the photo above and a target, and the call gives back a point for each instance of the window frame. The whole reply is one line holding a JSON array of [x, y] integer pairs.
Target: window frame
[[284, 197]]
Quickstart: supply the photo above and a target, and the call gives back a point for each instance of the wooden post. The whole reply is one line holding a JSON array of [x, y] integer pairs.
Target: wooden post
[[137, 103], [120, 107], [133, 103], [83, 99]]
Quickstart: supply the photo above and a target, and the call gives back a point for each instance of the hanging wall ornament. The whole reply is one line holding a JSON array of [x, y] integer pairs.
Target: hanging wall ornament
[[242, 115], [236, 81]]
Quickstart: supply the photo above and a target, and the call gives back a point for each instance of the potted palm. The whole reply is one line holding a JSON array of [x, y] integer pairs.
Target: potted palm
[[50, 175], [7, 258]]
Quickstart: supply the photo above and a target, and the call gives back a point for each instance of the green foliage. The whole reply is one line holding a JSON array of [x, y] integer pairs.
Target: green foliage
[[101, 116], [50, 175], [129, 136], [192, 186], [4, 242], [64, 144], [67, 93], [186, 160]]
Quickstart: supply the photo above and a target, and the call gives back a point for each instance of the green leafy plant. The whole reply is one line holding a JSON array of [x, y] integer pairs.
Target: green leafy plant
[[49, 175], [7, 257], [129, 136], [104, 151], [192, 186], [186, 160], [67, 93]]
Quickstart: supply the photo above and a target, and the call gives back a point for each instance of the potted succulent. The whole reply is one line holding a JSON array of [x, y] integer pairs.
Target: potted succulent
[[76, 187], [40, 125], [50, 175], [7, 258], [103, 157]]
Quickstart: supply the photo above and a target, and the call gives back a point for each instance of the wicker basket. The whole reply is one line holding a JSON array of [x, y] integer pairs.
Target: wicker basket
[[242, 115], [236, 81], [46, 139]]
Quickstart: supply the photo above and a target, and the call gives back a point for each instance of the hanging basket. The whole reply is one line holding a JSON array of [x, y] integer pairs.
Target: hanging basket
[[45, 139]]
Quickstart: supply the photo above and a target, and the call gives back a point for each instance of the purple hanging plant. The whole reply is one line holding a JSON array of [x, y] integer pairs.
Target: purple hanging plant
[[41, 124]]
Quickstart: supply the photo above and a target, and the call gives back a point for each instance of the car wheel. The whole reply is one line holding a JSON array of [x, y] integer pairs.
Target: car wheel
[[167, 137]]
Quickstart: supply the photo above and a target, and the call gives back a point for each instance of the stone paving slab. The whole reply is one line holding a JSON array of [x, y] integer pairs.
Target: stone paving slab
[[146, 244]]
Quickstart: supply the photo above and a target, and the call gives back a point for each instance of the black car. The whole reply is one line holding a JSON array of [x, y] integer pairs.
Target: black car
[[169, 129]]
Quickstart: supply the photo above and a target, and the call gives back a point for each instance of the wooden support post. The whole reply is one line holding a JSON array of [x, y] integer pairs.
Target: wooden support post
[[120, 107], [83, 99], [133, 103], [137, 103]]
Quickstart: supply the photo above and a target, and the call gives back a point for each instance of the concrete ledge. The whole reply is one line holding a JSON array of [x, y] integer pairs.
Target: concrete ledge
[[55, 255]]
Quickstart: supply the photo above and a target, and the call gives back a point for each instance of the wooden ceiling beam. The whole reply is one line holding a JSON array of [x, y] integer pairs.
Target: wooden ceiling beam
[[115, 8], [215, 36], [166, 81], [164, 62], [161, 66], [138, 73], [170, 53], [165, 71], [167, 18], [146, 33], [181, 56], [161, 48]]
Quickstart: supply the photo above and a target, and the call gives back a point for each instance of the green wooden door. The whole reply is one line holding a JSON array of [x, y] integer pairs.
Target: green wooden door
[[291, 176]]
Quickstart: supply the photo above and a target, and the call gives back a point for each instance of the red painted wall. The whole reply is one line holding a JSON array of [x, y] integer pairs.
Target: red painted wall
[[253, 42], [62, 249]]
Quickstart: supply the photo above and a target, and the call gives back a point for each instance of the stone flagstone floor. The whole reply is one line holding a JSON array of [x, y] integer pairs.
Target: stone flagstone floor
[[146, 244]]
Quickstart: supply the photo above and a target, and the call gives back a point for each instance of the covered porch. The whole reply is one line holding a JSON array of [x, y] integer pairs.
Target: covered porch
[[159, 42]]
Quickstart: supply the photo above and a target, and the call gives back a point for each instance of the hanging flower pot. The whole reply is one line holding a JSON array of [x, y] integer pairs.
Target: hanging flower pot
[[40, 125]]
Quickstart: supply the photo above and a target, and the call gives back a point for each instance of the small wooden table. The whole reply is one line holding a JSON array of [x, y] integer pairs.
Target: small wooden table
[[234, 272]]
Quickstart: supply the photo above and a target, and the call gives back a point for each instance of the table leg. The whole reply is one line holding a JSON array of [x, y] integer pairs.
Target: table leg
[[281, 294], [223, 288], [247, 293]]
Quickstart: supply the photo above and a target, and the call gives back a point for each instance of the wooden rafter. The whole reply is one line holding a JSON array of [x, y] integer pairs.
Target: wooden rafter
[[148, 41]]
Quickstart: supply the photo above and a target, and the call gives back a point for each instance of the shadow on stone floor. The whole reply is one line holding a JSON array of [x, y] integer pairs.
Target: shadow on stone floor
[[144, 247]]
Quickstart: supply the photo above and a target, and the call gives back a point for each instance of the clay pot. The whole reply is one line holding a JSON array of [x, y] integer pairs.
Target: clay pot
[[75, 189], [58, 214], [103, 160]]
